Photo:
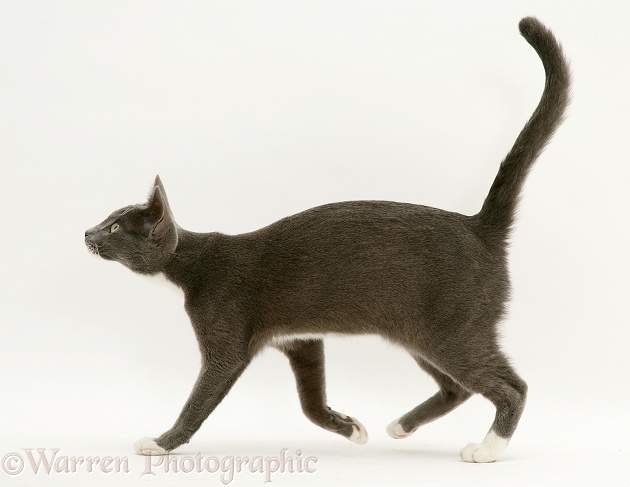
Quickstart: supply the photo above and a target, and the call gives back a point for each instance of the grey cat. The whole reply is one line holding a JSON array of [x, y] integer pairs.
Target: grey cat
[[430, 281]]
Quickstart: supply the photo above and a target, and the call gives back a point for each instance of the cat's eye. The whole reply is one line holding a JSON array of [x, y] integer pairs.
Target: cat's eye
[[114, 228]]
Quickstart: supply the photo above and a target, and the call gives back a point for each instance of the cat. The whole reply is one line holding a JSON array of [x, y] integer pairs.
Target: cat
[[433, 282]]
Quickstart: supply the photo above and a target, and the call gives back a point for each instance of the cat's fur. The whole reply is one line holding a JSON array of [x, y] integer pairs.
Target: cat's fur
[[431, 281]]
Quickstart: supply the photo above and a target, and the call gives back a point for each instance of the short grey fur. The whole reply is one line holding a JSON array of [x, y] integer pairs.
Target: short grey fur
[[433, 282]]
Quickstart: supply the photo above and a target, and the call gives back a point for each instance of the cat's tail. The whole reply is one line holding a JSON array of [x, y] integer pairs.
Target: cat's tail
[[497, 214]]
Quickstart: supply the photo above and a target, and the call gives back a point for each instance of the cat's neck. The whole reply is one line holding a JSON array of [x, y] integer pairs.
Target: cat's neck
[[191, 263]]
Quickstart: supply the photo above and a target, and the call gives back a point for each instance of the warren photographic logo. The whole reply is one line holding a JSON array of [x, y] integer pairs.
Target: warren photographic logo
[[52, 462], [229, 466]]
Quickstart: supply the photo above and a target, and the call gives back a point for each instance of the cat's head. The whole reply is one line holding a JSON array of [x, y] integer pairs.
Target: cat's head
[[141, 237]]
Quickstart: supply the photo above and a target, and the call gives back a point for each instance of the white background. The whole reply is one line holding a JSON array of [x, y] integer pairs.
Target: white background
[[254, 110]]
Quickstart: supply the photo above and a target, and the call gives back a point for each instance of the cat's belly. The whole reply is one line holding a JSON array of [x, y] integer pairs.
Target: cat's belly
[[285, 339]]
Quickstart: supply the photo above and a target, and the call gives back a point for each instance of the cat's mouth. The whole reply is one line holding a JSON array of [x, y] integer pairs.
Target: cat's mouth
[[92, 247]]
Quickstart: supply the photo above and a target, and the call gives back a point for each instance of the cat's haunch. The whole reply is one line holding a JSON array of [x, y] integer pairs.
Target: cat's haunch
[[433, 282]]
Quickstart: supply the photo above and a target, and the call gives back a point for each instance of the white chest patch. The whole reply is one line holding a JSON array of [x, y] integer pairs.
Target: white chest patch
[[161, 281]]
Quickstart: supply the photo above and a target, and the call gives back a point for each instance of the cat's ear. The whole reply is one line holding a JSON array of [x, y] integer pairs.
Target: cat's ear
[[160, 218], [158, 184]]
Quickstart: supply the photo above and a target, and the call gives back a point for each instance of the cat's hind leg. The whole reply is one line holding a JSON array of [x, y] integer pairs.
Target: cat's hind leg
[[498, 382], [307, 362], [450, 395], [485, 371]]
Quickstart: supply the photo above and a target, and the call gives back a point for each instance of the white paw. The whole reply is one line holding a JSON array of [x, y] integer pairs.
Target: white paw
[[359, 435], [490, 450], [476, 453], [148, 446], [396, 431]]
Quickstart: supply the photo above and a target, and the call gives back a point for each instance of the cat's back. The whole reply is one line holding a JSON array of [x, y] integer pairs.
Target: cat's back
[[366, 221], [371, 231]]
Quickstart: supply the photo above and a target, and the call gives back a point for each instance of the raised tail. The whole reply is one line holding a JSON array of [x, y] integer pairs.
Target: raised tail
[[497, 214]]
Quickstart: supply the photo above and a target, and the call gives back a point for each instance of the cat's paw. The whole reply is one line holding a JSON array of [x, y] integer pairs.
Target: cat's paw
[[148, 446], [490, 450], [359, 434], [396, 431], [476, 453]]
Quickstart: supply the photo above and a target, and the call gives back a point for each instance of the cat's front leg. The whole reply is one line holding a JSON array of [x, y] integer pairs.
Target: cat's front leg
[[215, 380]]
